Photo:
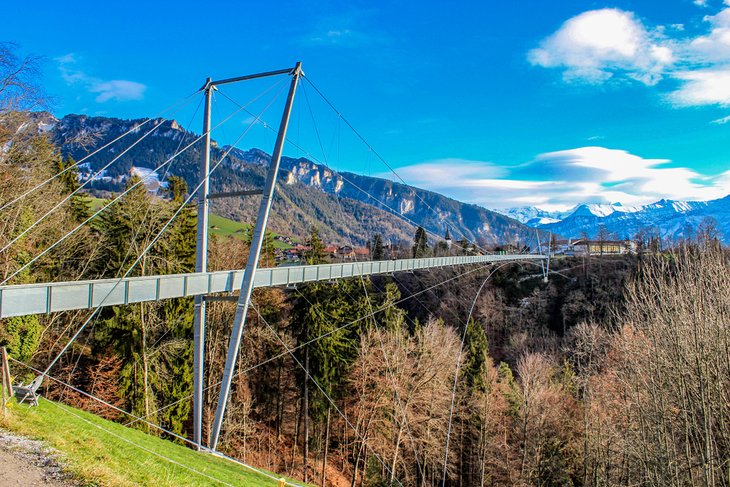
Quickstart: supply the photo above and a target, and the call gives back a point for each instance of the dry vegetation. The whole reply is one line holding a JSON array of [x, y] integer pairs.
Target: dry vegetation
[[618, 376]]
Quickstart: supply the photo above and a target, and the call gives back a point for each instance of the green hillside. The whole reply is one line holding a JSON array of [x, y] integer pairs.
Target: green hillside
[[100, 452], [219, 226]]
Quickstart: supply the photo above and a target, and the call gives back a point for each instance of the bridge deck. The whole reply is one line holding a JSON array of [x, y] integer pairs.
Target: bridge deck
[[27, 299]]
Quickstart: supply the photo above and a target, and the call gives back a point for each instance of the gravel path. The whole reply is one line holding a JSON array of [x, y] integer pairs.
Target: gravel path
[[25, 462]]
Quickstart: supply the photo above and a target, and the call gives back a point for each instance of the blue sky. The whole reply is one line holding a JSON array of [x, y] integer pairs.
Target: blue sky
[[497, 103]]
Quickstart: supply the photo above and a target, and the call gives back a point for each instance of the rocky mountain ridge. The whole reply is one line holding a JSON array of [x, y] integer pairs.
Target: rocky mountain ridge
[[348, 207], [669, 219]]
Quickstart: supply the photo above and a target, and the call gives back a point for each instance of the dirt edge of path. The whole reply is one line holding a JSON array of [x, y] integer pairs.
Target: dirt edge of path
[[29, 462]]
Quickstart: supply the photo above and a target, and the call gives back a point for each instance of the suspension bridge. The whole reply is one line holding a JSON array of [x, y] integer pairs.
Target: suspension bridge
[[204, 285]]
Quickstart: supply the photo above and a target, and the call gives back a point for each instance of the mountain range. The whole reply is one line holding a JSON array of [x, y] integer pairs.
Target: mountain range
[[672, 220], [346, 207]]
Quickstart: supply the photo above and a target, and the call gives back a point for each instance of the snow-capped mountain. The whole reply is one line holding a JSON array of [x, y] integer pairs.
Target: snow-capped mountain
[[600, 210], [670, 219], [533, 216]]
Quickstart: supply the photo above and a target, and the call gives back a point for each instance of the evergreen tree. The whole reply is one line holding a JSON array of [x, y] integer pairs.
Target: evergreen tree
[[477, 356], [177, 188], [153, 340], [315, 254], [70, 180], [267, 257], [125, 227], [442, 248], [21, 336], [323, 310], [377, 248], [420, 247], [465, 246], [180, 237]]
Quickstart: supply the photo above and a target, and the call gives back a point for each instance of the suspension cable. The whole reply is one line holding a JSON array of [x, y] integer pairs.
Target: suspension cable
[[81, 186], [395, 173], [157, 237], [458, 366], [379, 202], [324, 335], [141, 181], [321, 389], [80, 161]]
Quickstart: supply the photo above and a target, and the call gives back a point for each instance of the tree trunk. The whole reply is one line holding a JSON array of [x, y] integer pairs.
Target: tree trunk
[[326, 448], [145, 364], [305, 406]]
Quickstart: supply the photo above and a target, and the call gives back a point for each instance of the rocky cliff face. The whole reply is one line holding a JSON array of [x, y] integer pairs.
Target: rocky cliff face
[[374, 205]]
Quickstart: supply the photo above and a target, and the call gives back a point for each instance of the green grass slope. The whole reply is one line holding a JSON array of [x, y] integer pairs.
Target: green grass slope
[[219, 226], [100, 452]]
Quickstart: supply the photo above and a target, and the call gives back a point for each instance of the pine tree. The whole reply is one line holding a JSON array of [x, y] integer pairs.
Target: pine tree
[[377, 248], [465, 246], [70, 180], [315, 253], [420, 247], [267, 257], [477, 356], [442, 248]]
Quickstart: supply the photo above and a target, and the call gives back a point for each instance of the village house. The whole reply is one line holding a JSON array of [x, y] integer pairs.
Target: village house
[[581, 246]]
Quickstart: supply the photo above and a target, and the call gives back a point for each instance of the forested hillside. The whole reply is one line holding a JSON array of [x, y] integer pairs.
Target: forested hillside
[[348, 207], [615, 372]]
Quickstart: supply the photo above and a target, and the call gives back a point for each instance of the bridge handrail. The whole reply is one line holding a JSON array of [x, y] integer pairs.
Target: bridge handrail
[[40, 298]]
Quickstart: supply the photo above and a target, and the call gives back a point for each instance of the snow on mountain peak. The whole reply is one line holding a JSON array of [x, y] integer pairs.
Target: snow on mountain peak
[[602, 210]]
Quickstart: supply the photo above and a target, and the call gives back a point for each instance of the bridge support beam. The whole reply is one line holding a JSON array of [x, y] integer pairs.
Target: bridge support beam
[[201, 265], [244, 300]]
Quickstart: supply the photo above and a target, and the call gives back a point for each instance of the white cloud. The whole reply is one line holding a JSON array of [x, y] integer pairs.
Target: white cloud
[[354, 27], [562, 179], [701, 3], [601, 45], [106, 90], [118, 89], [441, 172], [715, 46], [703, 87], [596, 45], [721, 121]]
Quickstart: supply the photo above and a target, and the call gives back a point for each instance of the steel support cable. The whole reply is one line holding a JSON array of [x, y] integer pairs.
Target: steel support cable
[[367, 295], [80, 161], [157, 237], [324, 335], [458, 366], [317, 160], [321, 389], [141, 181], [326, 100], [128, 250], [391, 374], [134, 239], [81, 186], [137, 418], [452, 311], [137, 445], [350, 182]]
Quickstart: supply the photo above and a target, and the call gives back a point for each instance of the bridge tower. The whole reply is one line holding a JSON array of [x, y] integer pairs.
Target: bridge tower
[[201, 261]]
